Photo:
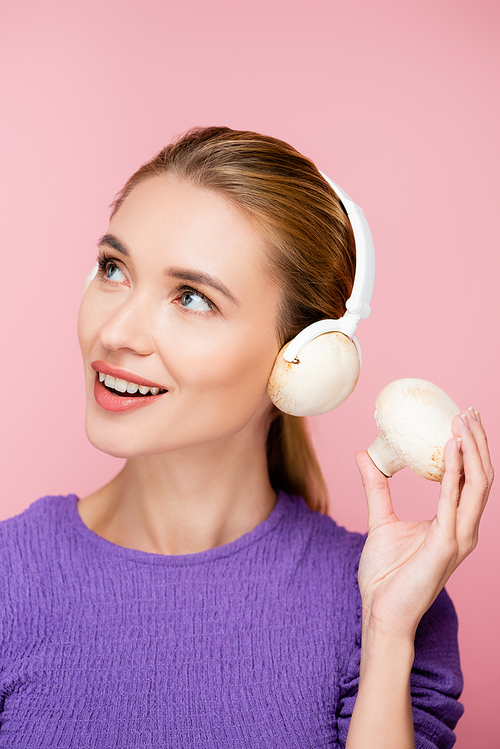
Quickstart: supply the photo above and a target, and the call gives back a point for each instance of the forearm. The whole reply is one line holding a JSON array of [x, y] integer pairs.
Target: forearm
[[382, 716]]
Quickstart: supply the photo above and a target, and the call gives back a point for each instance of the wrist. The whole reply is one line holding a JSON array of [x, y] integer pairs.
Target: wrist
[[387, 650], [382, 639], [399, 631], [382, 716]]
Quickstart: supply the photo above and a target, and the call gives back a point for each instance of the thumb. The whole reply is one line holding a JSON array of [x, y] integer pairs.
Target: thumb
[[376, 486]]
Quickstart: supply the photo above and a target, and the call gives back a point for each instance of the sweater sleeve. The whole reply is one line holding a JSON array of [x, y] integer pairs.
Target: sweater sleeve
[[436, 680]]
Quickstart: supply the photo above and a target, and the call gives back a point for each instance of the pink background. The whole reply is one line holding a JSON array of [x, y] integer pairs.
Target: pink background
[[395, 101]]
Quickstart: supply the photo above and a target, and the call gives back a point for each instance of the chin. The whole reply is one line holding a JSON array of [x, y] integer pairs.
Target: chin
[[113, 439], [195, 424], [125, 442], [110, 444]]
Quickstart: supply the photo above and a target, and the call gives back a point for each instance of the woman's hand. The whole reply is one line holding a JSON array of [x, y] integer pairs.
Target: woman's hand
[[405, 564]]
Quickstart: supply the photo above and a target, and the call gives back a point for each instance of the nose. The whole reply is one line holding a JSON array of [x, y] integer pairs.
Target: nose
[[128, 327]]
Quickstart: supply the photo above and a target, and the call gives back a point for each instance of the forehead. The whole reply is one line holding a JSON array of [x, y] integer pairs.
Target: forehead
[[171, 221]]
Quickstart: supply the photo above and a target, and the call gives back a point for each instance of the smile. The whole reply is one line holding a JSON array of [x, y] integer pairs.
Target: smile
[[111, 399], [127, 389]]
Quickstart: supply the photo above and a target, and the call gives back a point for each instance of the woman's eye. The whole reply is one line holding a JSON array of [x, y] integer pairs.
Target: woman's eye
[[110, 271], [193, 301]]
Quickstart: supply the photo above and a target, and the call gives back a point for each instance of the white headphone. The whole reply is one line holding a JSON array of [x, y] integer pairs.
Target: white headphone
[[330, 356]]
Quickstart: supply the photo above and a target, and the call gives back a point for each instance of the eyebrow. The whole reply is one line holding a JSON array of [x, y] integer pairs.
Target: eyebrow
[[198, 276], [185, 274], [111, 241]]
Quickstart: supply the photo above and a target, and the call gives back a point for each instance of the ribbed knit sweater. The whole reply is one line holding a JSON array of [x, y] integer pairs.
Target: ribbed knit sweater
[[255, 643]]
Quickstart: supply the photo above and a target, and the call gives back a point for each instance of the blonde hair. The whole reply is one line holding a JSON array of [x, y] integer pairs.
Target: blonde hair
[[311, 254]]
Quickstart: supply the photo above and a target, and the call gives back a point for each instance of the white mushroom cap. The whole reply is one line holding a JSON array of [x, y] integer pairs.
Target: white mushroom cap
[[414, 420], [325, 376]]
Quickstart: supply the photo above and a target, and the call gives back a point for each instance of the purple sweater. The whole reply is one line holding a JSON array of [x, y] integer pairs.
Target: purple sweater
[[255, 643]]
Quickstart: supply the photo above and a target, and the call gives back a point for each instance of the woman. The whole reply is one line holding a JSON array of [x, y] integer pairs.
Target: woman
[[203, 597]]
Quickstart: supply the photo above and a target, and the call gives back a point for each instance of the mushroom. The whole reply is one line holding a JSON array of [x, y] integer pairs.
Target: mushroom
[[326, 374], [414, 420]]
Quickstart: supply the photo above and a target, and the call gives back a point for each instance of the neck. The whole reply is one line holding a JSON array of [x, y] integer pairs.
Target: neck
[[186, 501]]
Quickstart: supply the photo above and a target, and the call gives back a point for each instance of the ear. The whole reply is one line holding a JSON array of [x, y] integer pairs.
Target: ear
[[324, 377]]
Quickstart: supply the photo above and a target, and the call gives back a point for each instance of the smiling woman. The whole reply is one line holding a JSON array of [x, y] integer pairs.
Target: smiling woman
[[139, 315], [204, 597]]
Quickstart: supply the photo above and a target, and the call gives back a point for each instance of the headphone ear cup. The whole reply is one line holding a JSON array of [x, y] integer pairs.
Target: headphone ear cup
[[324, 378], [89, 278]]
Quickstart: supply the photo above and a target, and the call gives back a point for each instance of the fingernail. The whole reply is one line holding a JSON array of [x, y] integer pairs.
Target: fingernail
[[459, 444], [472, 413], [464, 419], [478, 416]]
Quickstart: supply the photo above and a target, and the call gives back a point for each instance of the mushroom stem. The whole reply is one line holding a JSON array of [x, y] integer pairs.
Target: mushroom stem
[[387, 461]]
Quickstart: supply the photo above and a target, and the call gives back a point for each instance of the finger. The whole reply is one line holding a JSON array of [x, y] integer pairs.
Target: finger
[[376, 486], [473, 436], [475, 489], [449, 495], [465, 422], [477, 429]]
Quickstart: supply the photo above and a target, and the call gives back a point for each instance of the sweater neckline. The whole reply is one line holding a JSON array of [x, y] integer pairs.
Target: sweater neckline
[[112, 550]]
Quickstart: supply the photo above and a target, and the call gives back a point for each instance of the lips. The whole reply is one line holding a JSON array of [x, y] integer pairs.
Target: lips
[[124, 374], [114, 402]]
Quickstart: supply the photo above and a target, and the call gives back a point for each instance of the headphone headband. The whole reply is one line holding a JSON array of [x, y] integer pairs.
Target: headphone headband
[[358, 304]]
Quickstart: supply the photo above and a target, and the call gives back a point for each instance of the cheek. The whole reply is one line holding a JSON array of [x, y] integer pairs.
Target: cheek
[[232, 372], [82, 326], [87, 323]]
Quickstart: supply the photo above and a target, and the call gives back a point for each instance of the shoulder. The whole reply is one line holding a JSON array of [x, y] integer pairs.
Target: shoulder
[[326, 552], [40, 509], [329, 537], [24, 536]]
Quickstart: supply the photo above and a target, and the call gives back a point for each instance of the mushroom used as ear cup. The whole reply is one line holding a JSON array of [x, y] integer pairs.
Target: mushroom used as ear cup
[[414, 420], [326, 374], [89, 278]]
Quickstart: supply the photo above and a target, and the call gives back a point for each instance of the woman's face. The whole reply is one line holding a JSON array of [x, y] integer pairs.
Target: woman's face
[[184, 303]]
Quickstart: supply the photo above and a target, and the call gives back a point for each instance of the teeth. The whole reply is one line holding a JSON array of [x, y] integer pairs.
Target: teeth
[[123, 386]]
